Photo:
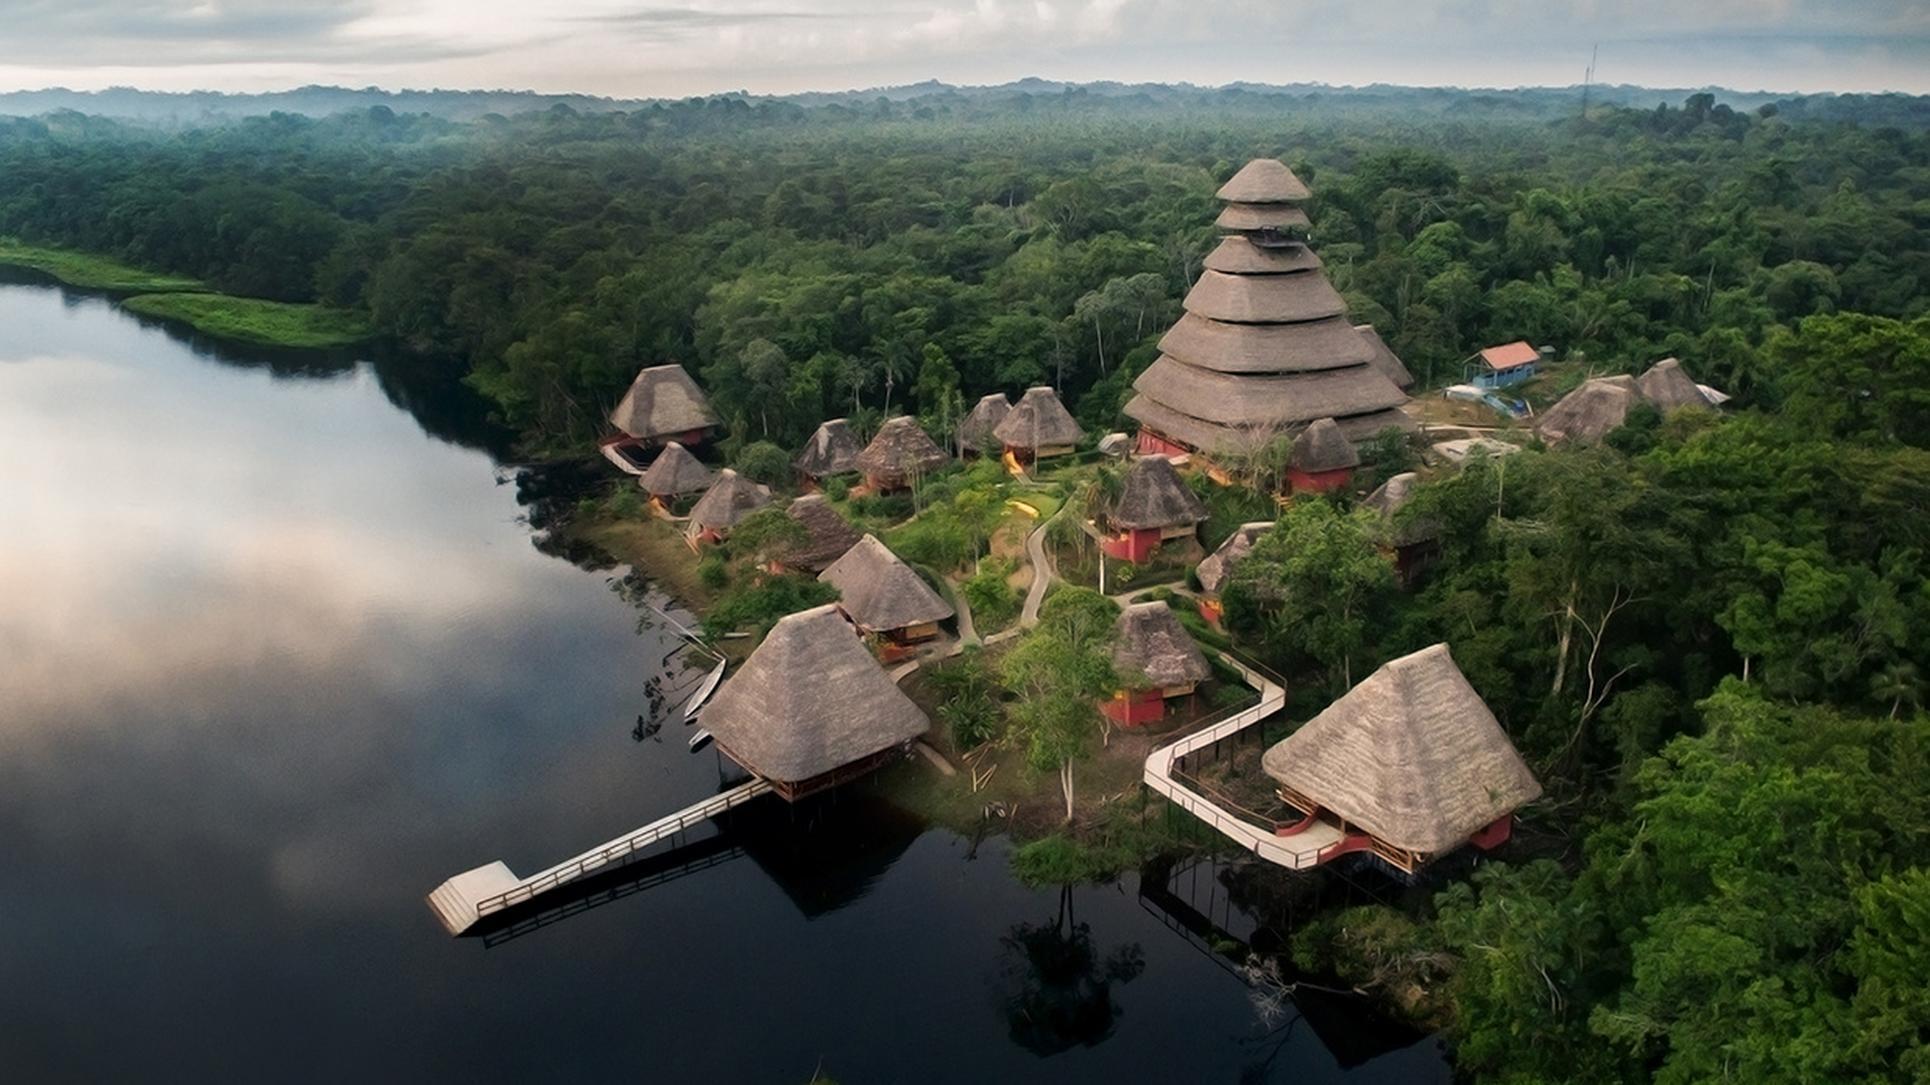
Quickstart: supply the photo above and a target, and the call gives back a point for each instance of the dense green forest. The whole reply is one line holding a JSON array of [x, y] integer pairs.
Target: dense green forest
[[1709, 638]]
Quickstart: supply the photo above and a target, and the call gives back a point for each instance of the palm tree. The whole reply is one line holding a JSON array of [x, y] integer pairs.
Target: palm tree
[[1897, 683]]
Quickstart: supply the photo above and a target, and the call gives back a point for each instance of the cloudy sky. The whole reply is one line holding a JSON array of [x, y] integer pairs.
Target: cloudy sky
[[648, 48]]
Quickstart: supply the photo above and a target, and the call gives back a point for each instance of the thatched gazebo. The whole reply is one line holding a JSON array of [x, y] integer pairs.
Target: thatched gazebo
[[900, 453], [1153, 652], [978, 433], [1264, 346], [1215, 571], [811, 708], [663, 404], [1038, 426], [832, 450], [1154, 506], [1667, 385], [1590, 412], [884, 597], [1412, 543], [1322, 459], [1410, 763], [827, 536], [675, 473], [731, 498]]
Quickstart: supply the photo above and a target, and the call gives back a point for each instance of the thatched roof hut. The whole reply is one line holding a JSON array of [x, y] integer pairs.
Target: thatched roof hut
[[880, 592], [1411, 755], [1150, 643], [1264, 180], [1216, 571], [663, 402], [731, 498], [810, 701], [900, 452], [827, 535], [1322, 447], [1154, 496], [1385, 360], [675, 472], [1038, 421], [1587, 414], [832, 450], [1388, 499], [1669, 387], [979, 432]]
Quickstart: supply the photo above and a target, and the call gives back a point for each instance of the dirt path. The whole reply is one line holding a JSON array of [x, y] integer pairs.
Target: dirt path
[[1042, 574]]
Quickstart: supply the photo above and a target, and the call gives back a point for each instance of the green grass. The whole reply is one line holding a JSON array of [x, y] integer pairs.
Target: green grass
[[90, 271], [253, 320]]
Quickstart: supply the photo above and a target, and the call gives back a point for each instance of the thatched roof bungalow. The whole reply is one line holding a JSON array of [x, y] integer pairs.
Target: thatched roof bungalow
[[1038, 426], [1215, 571], [1590, 412], [827, 536], [811, 708], [978, 433], [1264, 346], [731, 498], [663, 404], [1153, 652], [1410, 763], [901, 452], [1412, 543], [885, 597], [1667, 385], [1153, 507], [675, 473], [832, 450], [1322, 459]]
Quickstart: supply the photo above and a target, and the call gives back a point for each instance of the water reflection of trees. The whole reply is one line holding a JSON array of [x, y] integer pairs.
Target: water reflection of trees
[[1059, 986]]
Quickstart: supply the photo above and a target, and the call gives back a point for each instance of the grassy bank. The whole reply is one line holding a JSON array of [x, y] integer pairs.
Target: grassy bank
[[253, 320], [91, 271]]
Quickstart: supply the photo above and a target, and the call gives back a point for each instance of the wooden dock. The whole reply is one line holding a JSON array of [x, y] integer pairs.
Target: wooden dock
[[473, 895]]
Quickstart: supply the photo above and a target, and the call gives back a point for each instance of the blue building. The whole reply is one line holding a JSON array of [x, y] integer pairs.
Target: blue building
[[1503, 366]]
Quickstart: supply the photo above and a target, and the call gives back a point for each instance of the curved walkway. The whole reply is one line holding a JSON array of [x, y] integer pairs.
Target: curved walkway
[[1042, 573]]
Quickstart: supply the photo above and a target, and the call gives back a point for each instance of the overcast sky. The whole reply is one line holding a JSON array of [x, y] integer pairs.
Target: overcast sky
[[651, 48]]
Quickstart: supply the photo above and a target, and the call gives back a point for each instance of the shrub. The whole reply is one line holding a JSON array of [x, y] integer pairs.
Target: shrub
[[759, 603], [712, 572], [762, 461], [836, 489], [994, 602]]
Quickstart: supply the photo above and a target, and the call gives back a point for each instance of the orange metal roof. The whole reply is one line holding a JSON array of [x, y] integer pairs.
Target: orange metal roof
[[1509, 355]]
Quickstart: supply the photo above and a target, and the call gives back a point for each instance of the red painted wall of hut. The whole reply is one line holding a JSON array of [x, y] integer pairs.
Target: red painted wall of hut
[[1135, 708], [1149, 443], [1319, 482], [1495, 834], [1212, 610], [1132, 546]]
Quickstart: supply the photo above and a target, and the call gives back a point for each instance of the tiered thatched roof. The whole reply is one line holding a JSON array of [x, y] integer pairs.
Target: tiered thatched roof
[[1323, 447], [662, 402], [1155, 496], [1411, 755], [1385, 360], [832, 450], [827, 536], [810, 699], [1587, 414], [1150, 643], [1217, 570], [880, 592], [1264, 345], [900, 451], [1039, 420], [979, 432], [1669, 387], [675, 472], [1388, 499], [731, 498]]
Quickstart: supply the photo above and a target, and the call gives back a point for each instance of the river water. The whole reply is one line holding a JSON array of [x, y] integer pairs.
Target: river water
[[278, 654]]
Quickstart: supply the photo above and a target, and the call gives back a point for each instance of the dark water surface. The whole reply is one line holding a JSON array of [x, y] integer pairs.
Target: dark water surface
[[277, 655]]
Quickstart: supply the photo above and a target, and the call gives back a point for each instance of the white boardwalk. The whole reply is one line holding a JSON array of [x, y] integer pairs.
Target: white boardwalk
[[1296, 852], [486, 890]]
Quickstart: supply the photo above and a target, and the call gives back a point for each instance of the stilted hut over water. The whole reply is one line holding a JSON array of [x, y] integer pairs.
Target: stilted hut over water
[[827, 537], [1409, 763], [1155, 506], [1322, 460], [1216, 571], [811, 708], [978, 434], [663, 404], [1264, 346], [675, 473], [899, 454], [1153, 648], [731, 498], [886, 598], [1038, 427], [832, 450]]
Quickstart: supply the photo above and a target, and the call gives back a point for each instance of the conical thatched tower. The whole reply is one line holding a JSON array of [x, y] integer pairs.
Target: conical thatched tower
[[899, 453], [1154, 505], [978, 434], [883, 595], [811, 708], [1265, 346], [832, 450], [1411, 758], [731, 498], [674, 473], [1322, 460], [1038, 425]]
